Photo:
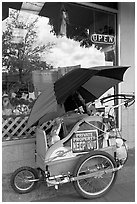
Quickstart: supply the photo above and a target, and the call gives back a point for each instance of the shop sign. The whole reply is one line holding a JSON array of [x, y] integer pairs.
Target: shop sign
[[18, 35], [84, 141], [104, 39]]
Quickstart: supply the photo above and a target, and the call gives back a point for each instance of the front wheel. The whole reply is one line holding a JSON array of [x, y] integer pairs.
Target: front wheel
[[98, 184], [21, 180]]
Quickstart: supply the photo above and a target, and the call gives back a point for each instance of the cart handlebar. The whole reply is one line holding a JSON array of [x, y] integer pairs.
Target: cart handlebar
[[129, 99]]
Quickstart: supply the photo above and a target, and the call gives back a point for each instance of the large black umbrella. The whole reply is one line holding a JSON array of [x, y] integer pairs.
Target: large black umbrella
[[90, 83]]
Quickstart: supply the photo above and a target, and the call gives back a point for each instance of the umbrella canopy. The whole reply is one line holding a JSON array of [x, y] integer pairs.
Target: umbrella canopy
[[90, 83]]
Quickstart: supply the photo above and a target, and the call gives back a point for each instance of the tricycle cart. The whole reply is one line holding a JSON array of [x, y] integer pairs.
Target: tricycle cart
[[85, 149]]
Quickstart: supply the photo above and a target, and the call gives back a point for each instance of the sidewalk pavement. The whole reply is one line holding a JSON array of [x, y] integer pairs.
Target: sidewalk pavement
[[42, 193]]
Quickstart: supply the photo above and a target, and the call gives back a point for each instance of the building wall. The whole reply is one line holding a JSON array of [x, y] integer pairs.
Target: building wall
[[126, 25]]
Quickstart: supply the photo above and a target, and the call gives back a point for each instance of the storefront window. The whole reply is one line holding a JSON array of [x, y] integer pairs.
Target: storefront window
[[103, 29], [84, 36], [81, 36]]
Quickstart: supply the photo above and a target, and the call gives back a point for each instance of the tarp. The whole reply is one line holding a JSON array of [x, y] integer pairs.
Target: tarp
[[46, 105]]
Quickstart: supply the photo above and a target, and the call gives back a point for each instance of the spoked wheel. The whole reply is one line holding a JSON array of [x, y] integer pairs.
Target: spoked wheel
[[101, 181], [21, 180]]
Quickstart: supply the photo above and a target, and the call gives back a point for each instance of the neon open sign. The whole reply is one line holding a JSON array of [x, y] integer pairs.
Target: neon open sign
[[104, 39]]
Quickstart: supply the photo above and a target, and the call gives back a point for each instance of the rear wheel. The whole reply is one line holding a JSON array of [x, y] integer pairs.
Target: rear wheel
[[21, 180], [100, 183]]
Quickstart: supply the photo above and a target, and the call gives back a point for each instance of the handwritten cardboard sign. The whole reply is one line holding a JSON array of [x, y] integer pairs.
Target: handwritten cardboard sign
[[84, 141]]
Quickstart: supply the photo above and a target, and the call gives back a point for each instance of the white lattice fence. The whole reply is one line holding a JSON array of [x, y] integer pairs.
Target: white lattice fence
[[14, 127]]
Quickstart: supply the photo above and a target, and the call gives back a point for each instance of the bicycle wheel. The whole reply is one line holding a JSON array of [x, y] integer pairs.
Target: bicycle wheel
[[100, 183], [20, 180]]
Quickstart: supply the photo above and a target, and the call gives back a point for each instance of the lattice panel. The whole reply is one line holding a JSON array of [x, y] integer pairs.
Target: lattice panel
[[14, 128]]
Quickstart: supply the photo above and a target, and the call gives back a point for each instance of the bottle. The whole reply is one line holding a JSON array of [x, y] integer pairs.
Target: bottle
[[55, 138]]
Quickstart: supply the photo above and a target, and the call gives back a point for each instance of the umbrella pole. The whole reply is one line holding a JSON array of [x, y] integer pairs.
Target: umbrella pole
[[73, 98], [85, 107]]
